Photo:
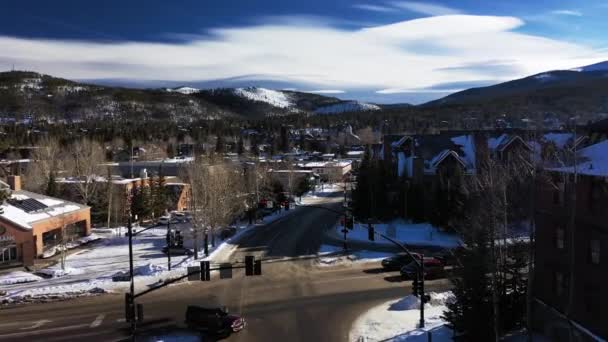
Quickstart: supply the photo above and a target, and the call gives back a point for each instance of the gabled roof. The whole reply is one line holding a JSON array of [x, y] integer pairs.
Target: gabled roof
[[501, 142]]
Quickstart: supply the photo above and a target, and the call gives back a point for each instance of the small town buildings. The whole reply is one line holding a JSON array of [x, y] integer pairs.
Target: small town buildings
[[31, 224], [290, 179], [328, 170]]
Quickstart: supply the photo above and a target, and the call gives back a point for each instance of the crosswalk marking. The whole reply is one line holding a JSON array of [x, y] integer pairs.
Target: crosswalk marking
[[37, 324], [98, 320]]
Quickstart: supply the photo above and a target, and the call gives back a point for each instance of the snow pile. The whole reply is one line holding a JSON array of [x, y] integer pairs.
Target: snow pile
[[272, 97], [57, 271], [18, 277], [330, 255], [347, 106], [417, 234], [398, 321]]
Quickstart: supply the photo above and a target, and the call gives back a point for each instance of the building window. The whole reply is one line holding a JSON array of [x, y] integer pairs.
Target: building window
[[559, 284], [594, 251], [560, 234]]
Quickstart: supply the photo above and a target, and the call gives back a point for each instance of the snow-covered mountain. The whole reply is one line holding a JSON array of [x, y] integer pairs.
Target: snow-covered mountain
[[601, 66], [183, 90], [275, 98], [347, 106]]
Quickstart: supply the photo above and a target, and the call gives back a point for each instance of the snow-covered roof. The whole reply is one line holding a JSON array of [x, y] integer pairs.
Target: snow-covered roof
[[593, 161], [54, 207], [559, 139], [467, 145]]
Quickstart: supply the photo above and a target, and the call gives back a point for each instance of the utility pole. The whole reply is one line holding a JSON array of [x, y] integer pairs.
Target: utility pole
[[169, 243], [132, 288], [422, 295]]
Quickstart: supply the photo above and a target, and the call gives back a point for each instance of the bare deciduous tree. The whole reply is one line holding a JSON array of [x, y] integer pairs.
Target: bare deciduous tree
[[84, 164], [47, 158]]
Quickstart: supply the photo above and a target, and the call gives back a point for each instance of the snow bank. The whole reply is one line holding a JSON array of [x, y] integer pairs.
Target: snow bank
[[329, 256], [56, 271], [398, 320], [417, 234], [18, 277]]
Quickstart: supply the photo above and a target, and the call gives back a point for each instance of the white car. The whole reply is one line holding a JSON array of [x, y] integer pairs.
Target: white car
[[163, 220]]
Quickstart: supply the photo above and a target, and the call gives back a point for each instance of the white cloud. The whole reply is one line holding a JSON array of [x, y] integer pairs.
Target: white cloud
[[409, 55], [425, 8], [568, 12], [375, 8]]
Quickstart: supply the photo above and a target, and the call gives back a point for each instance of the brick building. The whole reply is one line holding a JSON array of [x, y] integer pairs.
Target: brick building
[[571, 259], [31, 224]]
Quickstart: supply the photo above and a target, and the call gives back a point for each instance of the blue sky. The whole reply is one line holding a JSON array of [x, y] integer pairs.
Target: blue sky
[[383, 51]]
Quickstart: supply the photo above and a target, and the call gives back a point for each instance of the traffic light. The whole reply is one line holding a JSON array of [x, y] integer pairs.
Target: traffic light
[[257, 267], [416, 285], [140, 313], [226, 271], [249, 260], [205, 271], [129, 312], [370, 233], [350, 222], [194, 273], [252, 266]]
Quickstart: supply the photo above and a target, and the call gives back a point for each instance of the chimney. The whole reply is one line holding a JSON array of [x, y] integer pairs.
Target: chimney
[[14, 182]]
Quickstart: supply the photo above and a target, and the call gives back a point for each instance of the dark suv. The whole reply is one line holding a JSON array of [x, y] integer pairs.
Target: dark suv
[[395, 262], [215, 321]]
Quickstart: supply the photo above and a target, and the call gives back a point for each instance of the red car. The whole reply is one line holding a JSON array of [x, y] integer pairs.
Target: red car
[[433, 268]]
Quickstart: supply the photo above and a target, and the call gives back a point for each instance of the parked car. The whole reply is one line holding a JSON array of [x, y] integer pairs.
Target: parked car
[[433, 268], [397, 261], [214, 321], [177, 250], [227, 232], [163, 220]]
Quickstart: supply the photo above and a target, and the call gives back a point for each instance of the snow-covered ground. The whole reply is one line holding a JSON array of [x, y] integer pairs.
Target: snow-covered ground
[[398, 321], [330, 255], [416, 234], [18, 277]]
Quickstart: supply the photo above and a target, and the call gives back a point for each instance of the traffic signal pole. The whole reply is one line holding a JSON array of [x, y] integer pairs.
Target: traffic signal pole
[[132, 287], [169, 243], [422, 295]]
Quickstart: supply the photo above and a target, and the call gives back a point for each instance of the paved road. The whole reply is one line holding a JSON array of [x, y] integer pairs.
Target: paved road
[[294, 299]]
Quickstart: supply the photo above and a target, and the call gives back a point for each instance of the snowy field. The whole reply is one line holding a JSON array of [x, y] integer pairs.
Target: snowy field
[[398, 321], [415, 234]]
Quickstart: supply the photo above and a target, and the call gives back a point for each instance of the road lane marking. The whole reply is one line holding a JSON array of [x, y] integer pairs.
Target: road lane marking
[[37, 324], [98, 320], [43, 331]]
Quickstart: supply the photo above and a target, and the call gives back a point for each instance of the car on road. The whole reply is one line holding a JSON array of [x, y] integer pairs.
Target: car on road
[[397, 261], [177, 250], [215, 321], [433, 268], [227, 232]]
